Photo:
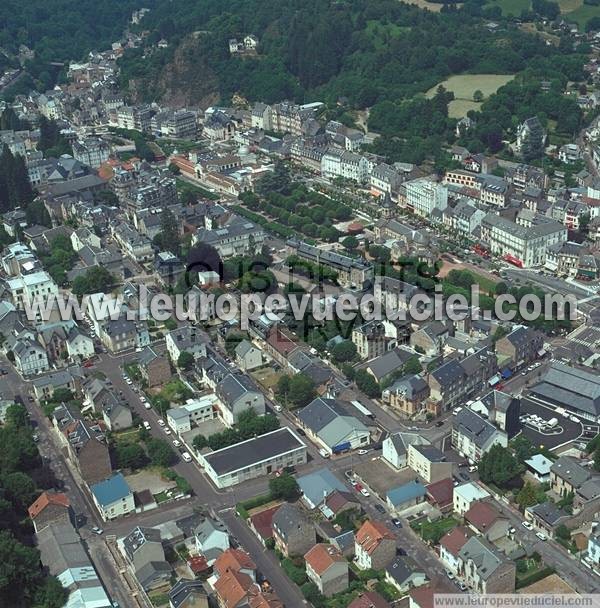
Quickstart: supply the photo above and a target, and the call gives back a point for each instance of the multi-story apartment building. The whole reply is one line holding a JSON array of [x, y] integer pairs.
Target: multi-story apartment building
[[485, 569], [520, 346], [136, 118], [524, 247], [237, 236], [423, 196], [355, 273], [370, 339], [26, 288], [456, 379], [473, 435], [91, 151], [384, 178], [348, 165], [178, 124]]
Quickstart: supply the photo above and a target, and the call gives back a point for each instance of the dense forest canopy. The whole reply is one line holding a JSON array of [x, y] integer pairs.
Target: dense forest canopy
[[364, 50]]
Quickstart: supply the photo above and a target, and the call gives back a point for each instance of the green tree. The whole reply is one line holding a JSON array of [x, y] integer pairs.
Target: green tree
[[413, 366], [168, 239], [161, 454], [343, 351], [199, 442], [185, 361], [96, 280], [232, 339], [20, 488], [350, 243], [130, 456], [527, 496], [284, 487], [498, 466], [301, 390], [478, 96], [367, 383]]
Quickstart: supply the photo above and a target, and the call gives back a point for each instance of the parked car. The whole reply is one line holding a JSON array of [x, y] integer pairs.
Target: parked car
[[161, 422], [527, 525], [396, 522], [379, 508], [186, 457], [147, 425], [462, 586], [300, 431], [363, 452], [167, 430], [450, 575], [97, 530], [177, 443], [365, 492], [541, 536], [278, 408], [148, 406], [324, 453]]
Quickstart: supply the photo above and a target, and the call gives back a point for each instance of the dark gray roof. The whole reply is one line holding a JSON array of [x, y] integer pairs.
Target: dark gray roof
[[320, 412], [183, 589], [485, 557], [402, 568], [289, 517], [570, 470], [571, 387], [252, 451], [548, 512], [431, 453], [473, 426], [137, 538], [233, 387]]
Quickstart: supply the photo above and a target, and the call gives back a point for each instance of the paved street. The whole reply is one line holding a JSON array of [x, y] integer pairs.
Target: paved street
[[553, 554]]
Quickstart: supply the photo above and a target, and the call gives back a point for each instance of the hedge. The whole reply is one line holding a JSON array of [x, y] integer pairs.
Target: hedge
[[242, 508], [534, 577]]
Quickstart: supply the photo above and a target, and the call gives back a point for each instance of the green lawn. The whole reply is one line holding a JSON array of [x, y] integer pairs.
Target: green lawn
[[583, 14], [464, 85], [184, 187], [432, 531], [511, 7]]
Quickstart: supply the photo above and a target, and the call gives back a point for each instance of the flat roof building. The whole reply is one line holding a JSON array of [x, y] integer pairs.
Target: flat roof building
[[253, 458]]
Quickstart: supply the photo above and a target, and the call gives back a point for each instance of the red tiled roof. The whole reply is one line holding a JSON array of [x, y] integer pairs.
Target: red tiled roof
[[371, 534], [46, 499], [454, 540], [369, 599], [441, 492], [198, 564], [235, 560], [232, 588], [282, 342], [263, 599], [321, 557], [481, 515], [263, 522], [337, 500], [422, 596]]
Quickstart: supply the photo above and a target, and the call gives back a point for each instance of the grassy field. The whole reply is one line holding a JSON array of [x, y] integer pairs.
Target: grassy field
[[431, 6], [458, 108], [464, 85], [583, 14], [511, 7]]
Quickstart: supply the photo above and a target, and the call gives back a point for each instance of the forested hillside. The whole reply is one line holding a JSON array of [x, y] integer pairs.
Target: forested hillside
[[62, 30], [367, 51]]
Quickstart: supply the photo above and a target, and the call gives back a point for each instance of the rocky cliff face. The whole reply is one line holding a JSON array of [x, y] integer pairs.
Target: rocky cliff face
[[186, 80]]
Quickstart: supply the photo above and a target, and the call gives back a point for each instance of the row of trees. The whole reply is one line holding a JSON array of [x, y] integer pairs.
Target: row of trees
[[249, 425], [22, 582]]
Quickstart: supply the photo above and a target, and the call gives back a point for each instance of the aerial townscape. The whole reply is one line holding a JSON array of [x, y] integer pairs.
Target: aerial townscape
[[228, 152]]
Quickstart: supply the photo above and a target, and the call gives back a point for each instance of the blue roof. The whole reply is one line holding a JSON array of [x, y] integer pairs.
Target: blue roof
[[110, 490], [402, 494], [319, 484]]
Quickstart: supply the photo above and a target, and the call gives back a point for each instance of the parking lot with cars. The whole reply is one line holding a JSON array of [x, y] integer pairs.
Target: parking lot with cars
[[548, 437]]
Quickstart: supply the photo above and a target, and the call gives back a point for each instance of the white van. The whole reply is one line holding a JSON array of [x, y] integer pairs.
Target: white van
[[186, 457], [147, 425]]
